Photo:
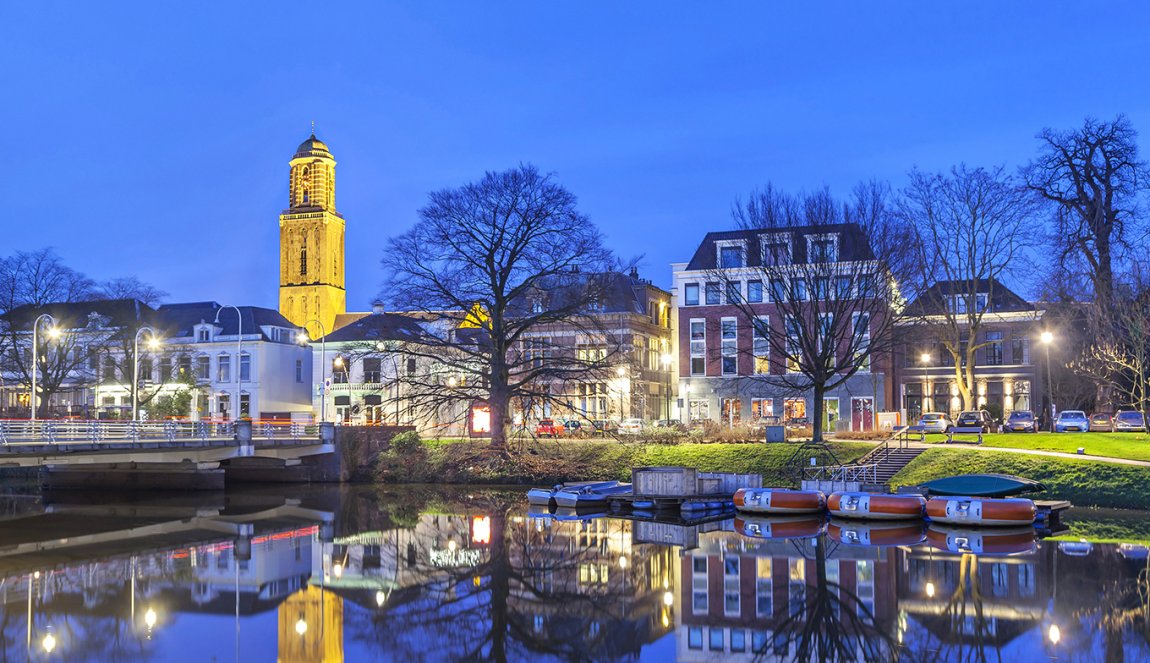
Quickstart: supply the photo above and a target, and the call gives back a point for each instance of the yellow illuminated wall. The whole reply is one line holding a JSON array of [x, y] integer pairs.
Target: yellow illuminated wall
[[311, 242], [311, 627]]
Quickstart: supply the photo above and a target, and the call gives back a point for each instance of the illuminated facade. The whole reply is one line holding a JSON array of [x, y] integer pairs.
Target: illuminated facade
[[311, 242]]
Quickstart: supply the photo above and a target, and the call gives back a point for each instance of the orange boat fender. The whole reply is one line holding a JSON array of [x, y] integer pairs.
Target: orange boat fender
[[874, 506], [779, 500], [997, 541], [779, 527], [854, 533], [981, 510]]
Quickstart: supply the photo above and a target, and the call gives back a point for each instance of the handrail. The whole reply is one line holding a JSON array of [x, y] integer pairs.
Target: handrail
[[897, 440], [64, 432]]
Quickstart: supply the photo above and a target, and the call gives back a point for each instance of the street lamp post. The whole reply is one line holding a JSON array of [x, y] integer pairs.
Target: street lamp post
[[667, 371], [239, 349], [1047, 339], [53, 332], [620, 372], [924, 358], [303, 338], [152, 344]]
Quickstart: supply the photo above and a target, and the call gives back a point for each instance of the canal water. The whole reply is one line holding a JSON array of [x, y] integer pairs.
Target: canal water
[[422, 574]]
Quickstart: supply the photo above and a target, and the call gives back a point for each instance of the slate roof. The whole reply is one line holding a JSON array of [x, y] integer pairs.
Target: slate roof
[[379, 327], [1002, 299], [180, 319], [75, 315], [853, 244]]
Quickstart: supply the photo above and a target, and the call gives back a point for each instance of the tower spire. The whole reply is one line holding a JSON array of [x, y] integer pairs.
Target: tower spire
[[313, 127]]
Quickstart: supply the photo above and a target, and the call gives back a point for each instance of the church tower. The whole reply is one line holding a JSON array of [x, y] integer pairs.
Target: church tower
[[311, 242]]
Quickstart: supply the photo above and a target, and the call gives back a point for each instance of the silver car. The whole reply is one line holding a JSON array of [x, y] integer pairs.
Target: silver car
[[1129, 420], [935, 422]]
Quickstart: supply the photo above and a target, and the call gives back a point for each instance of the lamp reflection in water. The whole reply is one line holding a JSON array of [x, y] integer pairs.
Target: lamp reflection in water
[[49, 643], [1054, 634]]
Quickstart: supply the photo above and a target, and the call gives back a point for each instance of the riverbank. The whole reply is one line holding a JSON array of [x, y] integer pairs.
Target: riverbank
[[1084, 482], [550, 462]]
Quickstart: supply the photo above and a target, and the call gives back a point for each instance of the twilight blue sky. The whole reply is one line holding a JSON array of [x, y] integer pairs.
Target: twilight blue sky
[[153, 138]]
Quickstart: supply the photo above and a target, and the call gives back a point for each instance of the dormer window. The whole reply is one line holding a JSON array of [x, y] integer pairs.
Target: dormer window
[[823, 248], [203, 334], [731, 254], [776, 249]]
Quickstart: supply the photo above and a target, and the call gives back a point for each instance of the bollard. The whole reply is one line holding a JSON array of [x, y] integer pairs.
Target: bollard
[[1081, 451], [327, 432]]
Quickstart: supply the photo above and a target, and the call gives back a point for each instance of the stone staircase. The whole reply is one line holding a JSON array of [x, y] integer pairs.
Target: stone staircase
[[894, 460]]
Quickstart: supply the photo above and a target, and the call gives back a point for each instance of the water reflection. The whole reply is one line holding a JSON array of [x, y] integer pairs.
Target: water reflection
[[361, 575]]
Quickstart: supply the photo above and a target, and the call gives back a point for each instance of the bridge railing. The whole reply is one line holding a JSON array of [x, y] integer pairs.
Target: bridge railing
[[22, 432]]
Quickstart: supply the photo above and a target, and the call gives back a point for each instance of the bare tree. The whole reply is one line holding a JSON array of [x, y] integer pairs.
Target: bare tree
[[971, 232], [498, 262], [1120, 359], [130, 287], [1095, 180], [830, 302]]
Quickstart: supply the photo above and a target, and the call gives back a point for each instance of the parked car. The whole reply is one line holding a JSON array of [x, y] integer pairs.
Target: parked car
[[673, 424], [760, 425], [1071, 420], [605, 426], [1020, 421], [1129, 420], [571, 426], [549, 428], [1100, 422], [976, 419], [936, 422], [631, 427], [795, 423]]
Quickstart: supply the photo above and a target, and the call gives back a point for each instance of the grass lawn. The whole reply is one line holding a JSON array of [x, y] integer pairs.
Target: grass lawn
[[1083, 482], [1132, 446]]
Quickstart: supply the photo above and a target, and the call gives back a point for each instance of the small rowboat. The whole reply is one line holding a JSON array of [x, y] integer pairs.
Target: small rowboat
[[983, 485], [855, 533], [981, 511], [590, 495], [546, 496], [779, 500], [779, 527], [869, 506], [997, 541]]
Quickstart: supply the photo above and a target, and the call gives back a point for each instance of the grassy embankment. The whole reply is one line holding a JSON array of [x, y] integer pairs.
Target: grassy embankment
[[549, 462], [1132, 446], [1083, 482]]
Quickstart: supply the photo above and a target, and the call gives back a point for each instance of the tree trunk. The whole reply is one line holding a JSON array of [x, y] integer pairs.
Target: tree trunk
[[817, 408], [500, 579], [500, 404]]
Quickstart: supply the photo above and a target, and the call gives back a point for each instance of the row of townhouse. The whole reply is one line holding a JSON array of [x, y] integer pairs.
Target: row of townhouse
[[232, 361], [725, 364]]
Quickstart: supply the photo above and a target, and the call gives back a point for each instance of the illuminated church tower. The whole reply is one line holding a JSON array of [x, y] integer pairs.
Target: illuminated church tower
[[311, 242]]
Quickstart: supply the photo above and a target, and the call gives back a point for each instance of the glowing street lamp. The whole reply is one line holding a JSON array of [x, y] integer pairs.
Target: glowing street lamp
[[53, 332], [153, 343], [301, 626], [304, 339], [1047, 339]]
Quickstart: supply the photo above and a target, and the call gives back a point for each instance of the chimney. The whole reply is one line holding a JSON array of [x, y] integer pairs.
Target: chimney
[[377, 307], [634, 272]]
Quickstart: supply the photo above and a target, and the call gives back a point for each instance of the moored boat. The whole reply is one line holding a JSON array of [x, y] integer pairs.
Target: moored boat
[[590, 495], [888, 533], [803, 526], [993, 541], [983, 485], [1005, 511], [871, 506], [779, 500], [546, 496]]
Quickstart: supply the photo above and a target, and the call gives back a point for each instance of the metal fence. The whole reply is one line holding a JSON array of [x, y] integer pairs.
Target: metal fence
[[867, 473], [28, 433]]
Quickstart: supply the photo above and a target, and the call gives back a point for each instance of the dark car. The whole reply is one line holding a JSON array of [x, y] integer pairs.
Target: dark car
[[1100, 422], [1020, 421], [673, 424], [605, 426], [976, 419], [1129, 420]]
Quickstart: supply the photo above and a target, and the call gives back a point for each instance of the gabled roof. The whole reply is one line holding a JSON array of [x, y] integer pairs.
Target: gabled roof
[[1001, 298], [181, 319], [621, 293], [380, 327], [75, 315], [853, 244]]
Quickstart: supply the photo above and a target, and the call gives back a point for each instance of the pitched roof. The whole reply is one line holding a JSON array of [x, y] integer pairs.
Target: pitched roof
[[75, 315], [853, 243], [379, 327], [181, 319], [1001, 298]]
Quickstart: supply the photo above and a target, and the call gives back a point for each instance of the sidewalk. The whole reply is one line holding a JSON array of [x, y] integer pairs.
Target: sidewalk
[[1034, 452]]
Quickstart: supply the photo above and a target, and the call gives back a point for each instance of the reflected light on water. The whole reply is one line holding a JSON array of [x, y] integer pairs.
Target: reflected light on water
[[301, 626], [1054, 634], [668, 599], [49, 643], [150, 618], [930, 589]]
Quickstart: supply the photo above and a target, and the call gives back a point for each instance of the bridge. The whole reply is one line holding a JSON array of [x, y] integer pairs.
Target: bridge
[[165, 454]]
